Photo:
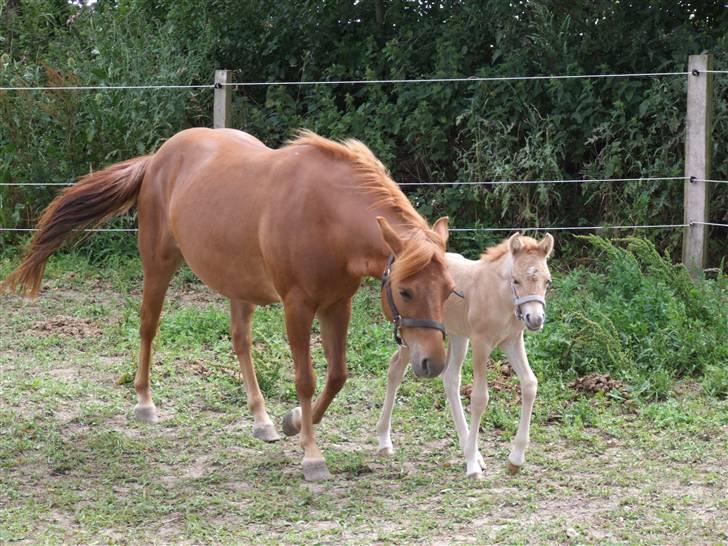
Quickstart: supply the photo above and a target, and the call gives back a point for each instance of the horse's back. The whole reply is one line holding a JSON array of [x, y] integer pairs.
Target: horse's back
[[247, 217]]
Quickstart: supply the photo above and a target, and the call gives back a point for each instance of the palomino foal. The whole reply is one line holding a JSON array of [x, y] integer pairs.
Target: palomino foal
[[504, 294]]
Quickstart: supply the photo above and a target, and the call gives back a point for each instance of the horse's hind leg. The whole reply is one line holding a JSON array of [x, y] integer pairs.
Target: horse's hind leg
[[516, 351], [160, 263], [241, 314]]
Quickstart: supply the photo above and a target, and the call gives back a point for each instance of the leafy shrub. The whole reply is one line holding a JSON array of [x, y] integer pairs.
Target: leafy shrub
[[638, 317]]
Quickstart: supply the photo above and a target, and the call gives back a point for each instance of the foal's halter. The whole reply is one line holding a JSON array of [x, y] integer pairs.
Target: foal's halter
[[398, 321], [525, 299]]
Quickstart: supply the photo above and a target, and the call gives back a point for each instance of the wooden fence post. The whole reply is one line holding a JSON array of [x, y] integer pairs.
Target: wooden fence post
[[698, 126], [222, 109]]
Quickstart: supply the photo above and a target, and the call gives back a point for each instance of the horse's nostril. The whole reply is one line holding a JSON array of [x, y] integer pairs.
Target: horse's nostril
[[528, 317], [426, 366]]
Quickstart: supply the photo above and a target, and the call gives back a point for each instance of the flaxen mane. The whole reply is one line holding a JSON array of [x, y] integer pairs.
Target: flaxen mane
[[375, 180], [496, 252]]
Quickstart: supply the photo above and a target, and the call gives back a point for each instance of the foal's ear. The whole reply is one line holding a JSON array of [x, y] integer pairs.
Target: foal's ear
[[390, 236], [514, 243], [440, 227], [546, 245]]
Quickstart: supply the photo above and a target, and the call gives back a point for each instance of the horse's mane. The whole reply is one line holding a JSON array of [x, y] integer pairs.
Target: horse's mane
[[375, 180], [374, 177], [496, 252]]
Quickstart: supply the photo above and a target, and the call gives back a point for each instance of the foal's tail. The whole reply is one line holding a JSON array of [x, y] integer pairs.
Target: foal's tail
[[92, 200]]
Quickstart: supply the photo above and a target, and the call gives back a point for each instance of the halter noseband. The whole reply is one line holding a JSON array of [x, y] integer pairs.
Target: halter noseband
[[398, 321], [525, 299]]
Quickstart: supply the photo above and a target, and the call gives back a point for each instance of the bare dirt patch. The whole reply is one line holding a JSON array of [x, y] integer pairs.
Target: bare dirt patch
[[596, 383], [67, 326]]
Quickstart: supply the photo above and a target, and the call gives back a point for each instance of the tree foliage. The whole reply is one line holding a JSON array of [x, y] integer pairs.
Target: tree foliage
[[625, 127]]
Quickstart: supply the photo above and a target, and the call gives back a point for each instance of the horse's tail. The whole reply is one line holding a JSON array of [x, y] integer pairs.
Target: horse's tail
[[92, 200]]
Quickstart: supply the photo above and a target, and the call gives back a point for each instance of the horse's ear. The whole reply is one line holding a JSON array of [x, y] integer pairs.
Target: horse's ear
[[390, 236], [441, 228], [546, 245], [514, 243]]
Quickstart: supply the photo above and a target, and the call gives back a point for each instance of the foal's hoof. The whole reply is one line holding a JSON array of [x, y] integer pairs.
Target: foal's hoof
[[512, 469], [265, 432], [146, 414], [386, 451], [315, 470], [476, 476], [292, 422]]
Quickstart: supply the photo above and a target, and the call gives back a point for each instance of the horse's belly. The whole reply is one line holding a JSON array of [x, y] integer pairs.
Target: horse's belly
[[245, 280]]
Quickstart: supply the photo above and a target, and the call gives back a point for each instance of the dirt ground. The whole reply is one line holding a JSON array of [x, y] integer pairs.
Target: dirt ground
[[76, 468]]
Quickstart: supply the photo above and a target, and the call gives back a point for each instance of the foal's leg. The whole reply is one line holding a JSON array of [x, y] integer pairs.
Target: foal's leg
[[457, 348], [478, 403], [159, 267], [516, 351], [241, 314], [299, 318], [334, 322], [397, 369]]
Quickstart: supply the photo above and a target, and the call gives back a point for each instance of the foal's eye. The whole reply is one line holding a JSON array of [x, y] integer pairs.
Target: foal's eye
[[516, 282], [406, 294]]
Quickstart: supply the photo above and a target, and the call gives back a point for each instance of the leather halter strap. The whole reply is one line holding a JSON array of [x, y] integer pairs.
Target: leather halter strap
[[518, 301], [398, 321]]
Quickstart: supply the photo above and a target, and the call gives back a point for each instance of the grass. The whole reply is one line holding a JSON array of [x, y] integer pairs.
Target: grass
[[76, 468]]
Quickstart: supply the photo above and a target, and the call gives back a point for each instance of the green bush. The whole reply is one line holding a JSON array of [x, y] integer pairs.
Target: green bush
[[638, 317]]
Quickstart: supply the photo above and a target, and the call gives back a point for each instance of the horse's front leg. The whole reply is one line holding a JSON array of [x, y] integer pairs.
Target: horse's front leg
[[457, 348], [334, 321], [299, 318], [478, 403], [516, 352], [397, 369]]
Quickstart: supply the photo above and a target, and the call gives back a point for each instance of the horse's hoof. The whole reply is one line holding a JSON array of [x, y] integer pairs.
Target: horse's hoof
[[481, 462], [265, 432], [476, 476], [512, 469], [292, 422], [146, 414], [315, 470], [386, 451]]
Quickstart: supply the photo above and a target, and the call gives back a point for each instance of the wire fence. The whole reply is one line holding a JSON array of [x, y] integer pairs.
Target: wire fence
[[465, 230], [468, 79], [471, 79]]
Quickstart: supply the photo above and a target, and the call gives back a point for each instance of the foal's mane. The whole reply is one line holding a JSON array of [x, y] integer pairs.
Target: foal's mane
[[496, 252], [374, 180]]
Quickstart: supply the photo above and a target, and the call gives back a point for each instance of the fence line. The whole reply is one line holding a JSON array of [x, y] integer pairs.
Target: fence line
[[108, 87], [469, 79], [474, 183], [472, 229]]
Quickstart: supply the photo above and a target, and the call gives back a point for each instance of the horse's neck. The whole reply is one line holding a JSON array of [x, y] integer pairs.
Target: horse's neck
[[502, 270]]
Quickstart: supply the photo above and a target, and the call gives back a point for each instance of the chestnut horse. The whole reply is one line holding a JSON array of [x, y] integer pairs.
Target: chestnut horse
[[301, 225], [504, 294]]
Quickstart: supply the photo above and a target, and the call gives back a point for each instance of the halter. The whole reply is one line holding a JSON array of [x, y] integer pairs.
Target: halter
[[398, 321], [525, 299]]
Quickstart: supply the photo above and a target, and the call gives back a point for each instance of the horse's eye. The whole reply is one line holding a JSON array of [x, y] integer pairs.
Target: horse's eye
[[406, 294]]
